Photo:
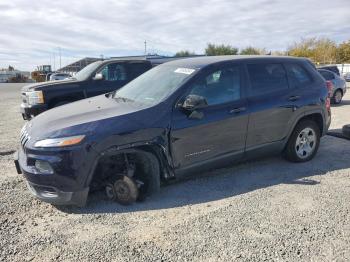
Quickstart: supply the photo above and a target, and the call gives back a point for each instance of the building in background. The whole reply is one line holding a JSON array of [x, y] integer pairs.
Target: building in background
[[78, 65], [11, 75]]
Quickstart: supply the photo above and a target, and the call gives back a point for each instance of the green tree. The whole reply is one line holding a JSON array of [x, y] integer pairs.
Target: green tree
[[213, 49], [184, 53], [343, 52], [250, 51], [302, 49], [319, 50]]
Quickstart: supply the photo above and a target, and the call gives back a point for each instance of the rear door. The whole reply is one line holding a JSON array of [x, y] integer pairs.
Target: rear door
[[271, 103], [220, 129]]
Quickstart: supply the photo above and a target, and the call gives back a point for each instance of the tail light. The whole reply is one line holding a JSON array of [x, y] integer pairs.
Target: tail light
[[328, 104], [329, 88]]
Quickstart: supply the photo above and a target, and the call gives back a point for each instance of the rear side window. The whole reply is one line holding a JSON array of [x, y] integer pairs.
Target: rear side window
[[298, 75], [266, 78]]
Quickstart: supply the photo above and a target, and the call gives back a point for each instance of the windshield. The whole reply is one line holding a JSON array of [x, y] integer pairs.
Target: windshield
[[87, 70], [155, 85]]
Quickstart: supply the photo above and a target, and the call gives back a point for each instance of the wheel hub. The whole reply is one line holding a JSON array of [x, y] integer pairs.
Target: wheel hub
[[305, 143], [124, 190]]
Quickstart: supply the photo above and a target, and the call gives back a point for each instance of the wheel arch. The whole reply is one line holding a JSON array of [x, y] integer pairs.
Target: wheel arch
[[315, 116], [159, 153]]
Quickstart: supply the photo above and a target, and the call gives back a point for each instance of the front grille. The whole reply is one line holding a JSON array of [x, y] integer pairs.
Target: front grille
[[24, 138]]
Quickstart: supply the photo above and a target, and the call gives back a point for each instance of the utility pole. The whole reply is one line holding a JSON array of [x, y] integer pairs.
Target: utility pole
[[59, 52], [145, 47]]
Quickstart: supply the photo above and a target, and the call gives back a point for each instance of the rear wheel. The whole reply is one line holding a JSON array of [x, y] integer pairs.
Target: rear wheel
[[337, 97], [304, 142]]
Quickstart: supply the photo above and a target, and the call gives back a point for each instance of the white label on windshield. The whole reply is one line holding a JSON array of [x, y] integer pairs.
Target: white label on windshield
[[186, 71]]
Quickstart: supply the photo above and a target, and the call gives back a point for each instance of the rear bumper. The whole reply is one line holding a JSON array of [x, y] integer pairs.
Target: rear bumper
[[29, 112]]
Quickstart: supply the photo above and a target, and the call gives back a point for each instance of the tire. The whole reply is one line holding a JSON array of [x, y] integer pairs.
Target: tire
[[337, 97], [151, 179], [346, 131], [303, 143]]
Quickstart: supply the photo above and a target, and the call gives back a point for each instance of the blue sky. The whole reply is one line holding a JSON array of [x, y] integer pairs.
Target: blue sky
[[32, 31]]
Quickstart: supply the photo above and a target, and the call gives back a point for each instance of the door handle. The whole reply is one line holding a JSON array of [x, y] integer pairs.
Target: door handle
[[293, 98], [237, 110]]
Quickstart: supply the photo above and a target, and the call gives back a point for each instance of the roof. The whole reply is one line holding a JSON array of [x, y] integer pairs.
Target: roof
[[200, 62], [78, 65]]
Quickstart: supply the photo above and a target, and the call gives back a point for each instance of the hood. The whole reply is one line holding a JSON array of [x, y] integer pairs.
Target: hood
[[38, 86], [84, 116]]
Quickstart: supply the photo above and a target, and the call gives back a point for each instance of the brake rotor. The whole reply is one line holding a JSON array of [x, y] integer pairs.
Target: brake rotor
[[125, 191]]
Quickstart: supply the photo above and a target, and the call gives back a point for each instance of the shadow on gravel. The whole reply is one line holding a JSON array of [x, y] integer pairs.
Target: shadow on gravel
[[334, 154], [6, 153]]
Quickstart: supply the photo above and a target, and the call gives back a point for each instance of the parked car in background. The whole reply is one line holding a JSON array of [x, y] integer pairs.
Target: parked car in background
[[179, 118], [347, 77], [59, 76], [97, 78], [339, 85], [332, 68]]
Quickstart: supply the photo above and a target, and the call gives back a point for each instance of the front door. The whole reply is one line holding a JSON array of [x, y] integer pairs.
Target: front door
[[217, 130]]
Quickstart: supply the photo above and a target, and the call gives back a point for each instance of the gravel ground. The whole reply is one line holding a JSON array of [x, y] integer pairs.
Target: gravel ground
[[267, 209]]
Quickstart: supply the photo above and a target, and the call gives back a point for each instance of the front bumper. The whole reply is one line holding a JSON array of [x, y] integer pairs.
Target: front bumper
[[66, 186], [55, 196], [29, 111]]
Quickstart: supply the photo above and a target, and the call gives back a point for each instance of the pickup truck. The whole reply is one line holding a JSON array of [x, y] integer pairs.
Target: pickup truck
[[95, 79]]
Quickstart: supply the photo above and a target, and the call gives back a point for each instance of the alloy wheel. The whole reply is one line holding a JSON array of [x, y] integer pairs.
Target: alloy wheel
[[305, 143]]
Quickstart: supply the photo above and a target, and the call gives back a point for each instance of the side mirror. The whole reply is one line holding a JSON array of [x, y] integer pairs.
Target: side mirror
[[98, 76], [193, 102]]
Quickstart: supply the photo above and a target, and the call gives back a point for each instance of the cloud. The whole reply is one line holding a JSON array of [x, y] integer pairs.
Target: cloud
[[31, 32]]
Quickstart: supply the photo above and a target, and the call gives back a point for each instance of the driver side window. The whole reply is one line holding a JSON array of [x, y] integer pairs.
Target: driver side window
[[220, 86], [114, 72]]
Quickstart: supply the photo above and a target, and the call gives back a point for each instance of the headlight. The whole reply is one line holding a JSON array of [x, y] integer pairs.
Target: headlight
[[60, 142], [35, 97]]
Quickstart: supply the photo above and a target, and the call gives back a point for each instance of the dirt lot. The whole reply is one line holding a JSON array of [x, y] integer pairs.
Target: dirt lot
[[267, 209]]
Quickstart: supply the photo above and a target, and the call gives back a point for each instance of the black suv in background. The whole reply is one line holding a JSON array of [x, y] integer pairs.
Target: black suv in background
[[178, 118], [95, 79]]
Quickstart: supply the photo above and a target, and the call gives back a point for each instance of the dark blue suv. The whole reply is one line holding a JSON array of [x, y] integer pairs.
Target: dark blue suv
[[179, 118]]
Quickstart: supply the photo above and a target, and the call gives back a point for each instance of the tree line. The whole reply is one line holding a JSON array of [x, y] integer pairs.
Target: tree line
[[319, 50]]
